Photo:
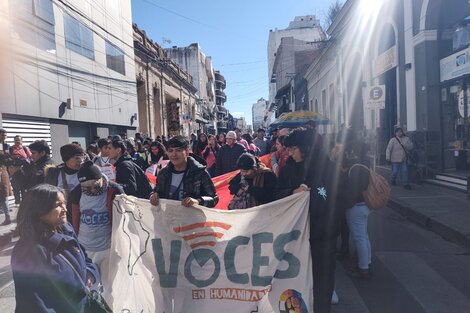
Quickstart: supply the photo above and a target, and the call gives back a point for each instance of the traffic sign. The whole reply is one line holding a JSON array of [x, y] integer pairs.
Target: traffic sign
[[375, 97]]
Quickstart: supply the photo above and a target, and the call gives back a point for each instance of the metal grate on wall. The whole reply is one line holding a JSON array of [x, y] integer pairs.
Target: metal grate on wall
[[30, 130]]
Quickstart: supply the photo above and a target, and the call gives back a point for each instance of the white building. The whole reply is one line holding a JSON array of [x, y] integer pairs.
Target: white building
[[306, 28], [192, 60], [68, 70], [260, 114], [241, 124]]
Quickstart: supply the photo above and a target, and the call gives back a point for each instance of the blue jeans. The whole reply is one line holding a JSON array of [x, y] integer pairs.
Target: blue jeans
[[403, 168], [4, 205], [357, 217]]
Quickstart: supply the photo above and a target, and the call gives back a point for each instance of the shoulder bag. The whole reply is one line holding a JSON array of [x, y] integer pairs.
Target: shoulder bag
[[377, 193]]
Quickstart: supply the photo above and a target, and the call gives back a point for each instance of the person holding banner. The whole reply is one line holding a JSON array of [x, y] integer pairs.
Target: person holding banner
[[92, 207], [50, 267], [254, 185], [184, 178], [308, 169]]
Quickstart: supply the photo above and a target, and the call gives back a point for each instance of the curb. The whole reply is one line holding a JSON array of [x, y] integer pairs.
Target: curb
[[430, 223]]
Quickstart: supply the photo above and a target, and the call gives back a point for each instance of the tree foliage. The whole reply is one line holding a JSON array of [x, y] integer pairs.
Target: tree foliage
[[333, 11]]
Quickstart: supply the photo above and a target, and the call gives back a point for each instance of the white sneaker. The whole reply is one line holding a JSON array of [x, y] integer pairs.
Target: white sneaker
[[334, 298]]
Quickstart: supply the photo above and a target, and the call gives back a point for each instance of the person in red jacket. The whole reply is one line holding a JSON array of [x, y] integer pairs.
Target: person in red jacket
[[210, 154]]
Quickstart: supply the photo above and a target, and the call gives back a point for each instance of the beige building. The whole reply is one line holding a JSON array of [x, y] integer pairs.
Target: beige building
[[165, 93]]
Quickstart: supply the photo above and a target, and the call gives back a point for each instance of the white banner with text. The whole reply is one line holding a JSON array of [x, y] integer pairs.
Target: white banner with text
[[171, 258]]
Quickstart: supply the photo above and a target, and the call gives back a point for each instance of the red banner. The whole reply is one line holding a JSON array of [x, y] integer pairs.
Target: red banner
[[221, 183]]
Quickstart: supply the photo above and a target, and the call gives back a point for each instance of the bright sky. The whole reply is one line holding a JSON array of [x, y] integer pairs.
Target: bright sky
[[233, 32]]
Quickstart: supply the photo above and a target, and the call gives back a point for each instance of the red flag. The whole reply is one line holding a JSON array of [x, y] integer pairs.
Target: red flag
[[221, 183]]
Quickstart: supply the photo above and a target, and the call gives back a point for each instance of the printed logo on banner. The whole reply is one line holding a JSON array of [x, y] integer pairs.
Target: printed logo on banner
[[209, 236], [291, 301]]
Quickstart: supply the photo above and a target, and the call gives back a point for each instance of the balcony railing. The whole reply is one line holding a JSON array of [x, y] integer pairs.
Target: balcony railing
[[221, 109], [219, 78], [221, 94], [222, 124]]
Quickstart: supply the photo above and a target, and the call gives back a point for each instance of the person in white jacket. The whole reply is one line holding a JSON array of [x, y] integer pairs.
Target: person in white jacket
[[397, 153]]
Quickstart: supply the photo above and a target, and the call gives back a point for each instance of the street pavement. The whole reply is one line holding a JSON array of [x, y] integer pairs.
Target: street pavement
[[421, 257], [415, 271]]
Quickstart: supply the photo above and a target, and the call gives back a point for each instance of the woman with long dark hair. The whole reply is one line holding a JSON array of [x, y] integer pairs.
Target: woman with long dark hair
[[201, 144], [210, 154], [309, 170], [50, 268], [221, 139], [156, 154]]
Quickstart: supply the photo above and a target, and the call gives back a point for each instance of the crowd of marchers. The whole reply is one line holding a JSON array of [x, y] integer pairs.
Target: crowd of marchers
[[65, 212]]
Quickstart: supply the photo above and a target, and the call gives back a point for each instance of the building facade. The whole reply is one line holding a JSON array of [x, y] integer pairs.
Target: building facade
[[241, 124], [220, 99], [306, 28], [293, 57], [165, 93], [68, 70], [192, 60], [260, 114], [414, 52]]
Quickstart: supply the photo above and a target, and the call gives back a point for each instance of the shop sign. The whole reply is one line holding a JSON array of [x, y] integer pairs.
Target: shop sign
[[461, 101], [455, 65], [375, 97], [386, 61], [186, 118]]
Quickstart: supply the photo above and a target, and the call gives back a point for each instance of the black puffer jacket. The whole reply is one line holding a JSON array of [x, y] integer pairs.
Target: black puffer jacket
[[33, 174], [227, 159], [132, 178], [328, 195], [197, 183]]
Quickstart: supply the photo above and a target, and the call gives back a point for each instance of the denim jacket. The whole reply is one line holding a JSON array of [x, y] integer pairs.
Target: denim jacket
[[44, 281]]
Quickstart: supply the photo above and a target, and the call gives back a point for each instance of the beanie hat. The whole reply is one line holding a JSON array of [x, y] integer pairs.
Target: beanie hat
[[247, 161], [231, 134], [89, 171], [70, 150]]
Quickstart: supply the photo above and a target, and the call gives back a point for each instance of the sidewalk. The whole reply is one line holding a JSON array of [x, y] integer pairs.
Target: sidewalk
[[443, 211], [6, 232]]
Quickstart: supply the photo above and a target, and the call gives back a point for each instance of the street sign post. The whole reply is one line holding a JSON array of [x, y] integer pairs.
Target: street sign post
[[375, 97]]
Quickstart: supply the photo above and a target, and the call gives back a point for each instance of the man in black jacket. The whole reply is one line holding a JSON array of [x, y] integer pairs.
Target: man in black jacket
[[184, 178], [128, 174], [228, 155], [32, 174]]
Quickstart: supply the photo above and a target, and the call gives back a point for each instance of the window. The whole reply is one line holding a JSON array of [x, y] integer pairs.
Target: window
[[34, 23], [115, 58], [78, 37]]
